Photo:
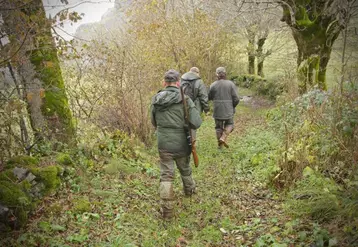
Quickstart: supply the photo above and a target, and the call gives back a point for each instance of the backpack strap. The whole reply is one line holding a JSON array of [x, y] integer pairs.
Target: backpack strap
[[194, 82]]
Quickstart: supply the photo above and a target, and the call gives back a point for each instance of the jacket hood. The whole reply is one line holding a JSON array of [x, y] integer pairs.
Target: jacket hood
[[166, 97], [189, 76]]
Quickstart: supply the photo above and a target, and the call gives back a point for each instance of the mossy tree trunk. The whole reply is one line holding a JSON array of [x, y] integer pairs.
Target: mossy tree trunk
[[38, 67], [260, 54], [251, 34], [315, 26]]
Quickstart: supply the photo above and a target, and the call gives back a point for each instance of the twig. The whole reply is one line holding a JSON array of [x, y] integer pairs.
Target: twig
[[13, 55], [53, 29]]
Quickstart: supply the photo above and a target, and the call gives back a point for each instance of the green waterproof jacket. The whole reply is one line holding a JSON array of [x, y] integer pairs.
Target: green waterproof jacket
[[167, 116], [225, 97], [200, 91]]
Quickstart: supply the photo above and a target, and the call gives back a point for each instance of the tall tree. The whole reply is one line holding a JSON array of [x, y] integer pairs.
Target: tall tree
[[32, 51], [315, 26], [251, 36], [260, 54]]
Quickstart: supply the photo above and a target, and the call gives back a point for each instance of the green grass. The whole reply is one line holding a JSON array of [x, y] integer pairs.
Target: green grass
[[231, 207]]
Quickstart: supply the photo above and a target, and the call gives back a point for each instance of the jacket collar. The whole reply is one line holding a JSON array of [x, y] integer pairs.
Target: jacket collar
[[171, 88]]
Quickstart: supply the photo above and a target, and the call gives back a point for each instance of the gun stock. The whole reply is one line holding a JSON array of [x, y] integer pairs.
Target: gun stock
[[191, 141], [195, 154]]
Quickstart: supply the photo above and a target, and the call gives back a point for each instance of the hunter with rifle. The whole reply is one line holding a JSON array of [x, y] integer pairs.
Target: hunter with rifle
[[174, 115]]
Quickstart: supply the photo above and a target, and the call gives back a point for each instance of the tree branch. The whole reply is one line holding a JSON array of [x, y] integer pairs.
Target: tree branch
[[22, 44]]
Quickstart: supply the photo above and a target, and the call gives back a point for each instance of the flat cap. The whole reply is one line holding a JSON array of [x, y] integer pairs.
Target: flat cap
[[220, 70], [171, 76], [194, 70]]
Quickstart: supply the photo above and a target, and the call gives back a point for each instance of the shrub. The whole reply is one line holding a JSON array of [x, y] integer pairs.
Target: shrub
[[314, 196], [246, 80], [262, 86], [271, 89], [64, 159]]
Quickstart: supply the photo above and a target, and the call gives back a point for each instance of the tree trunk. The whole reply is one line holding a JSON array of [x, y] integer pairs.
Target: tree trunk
[[313, 58], [260, 55], [260, 68], [39, 68], [251, 51], [251, 64], [314, 27]]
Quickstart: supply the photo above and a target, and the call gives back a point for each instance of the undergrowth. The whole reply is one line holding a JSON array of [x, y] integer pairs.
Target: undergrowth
[[109, 196]]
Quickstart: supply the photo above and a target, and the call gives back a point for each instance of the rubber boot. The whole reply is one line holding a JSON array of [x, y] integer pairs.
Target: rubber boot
[[225, 135], [222, 140], [189, 185], [219, 133], [167, 199]]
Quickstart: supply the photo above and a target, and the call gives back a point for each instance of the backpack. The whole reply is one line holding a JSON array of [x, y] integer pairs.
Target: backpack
[[189, 88]]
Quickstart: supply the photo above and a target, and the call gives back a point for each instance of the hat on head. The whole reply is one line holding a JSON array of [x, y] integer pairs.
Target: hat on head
[[220, 70], [194, 70], [171, 76]]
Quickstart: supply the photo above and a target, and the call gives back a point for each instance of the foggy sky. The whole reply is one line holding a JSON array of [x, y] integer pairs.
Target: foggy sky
[[93, 10]]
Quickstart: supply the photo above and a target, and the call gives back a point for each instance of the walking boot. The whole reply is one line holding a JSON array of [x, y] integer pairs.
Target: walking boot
[[167, 200], [219, 133], [223, 139], [167, 213], [189, 185]]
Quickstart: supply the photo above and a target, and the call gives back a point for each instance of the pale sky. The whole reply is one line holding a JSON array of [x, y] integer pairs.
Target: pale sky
[[93, 10]]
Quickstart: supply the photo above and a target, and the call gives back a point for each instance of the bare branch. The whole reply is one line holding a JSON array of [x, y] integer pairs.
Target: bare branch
[[22, 44]]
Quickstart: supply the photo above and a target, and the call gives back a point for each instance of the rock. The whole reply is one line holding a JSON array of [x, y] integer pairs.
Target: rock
[[3, 212], [49, 176], [17, 202], [30, 177], [36, 190], [20, 173], [223, 231]]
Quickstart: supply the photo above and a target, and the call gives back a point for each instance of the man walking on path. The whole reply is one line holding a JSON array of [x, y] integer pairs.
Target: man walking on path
[[167, 116], [198, 94], [225, 97], [194, 87]]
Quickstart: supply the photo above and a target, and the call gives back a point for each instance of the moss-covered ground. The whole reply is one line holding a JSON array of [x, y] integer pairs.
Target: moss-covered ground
[[120, 207]]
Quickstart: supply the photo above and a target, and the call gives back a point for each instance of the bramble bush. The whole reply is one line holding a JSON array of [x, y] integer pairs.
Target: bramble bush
[[318, 163], [262, 86]]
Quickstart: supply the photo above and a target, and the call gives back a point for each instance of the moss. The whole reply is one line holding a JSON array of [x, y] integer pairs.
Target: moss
[[24, 161], [25, 185], [49, 176], [81, 205], [7, 175], [302, 19], [14, 198], [55, 103], [64, 159], [54, 209], [11, 195]]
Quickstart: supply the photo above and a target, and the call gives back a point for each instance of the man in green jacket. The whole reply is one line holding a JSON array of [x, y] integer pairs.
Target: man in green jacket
[[199, 93], [167, 116], [225, 97], [195, 88]]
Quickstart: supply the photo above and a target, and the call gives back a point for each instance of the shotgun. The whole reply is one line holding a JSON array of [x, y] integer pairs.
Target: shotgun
[[189, 135]]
